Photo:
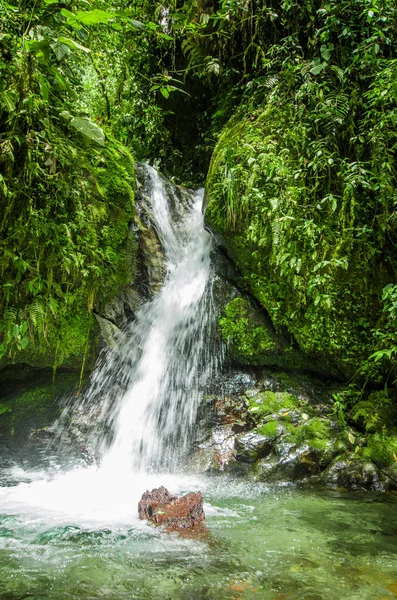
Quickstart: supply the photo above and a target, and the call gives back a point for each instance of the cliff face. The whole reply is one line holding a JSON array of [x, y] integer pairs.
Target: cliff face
[[311, 240]]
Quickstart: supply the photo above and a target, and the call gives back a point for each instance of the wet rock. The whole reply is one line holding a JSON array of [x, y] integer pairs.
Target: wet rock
[[287, 463], [109, 331], [215, 453], [390, 475], [252, 446], [353, 474], [162, 508]]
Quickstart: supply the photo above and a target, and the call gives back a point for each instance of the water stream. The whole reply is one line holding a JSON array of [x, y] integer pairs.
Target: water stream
[[70, 533]]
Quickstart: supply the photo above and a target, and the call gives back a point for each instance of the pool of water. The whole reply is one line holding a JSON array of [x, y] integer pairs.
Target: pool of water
[[76, 535]]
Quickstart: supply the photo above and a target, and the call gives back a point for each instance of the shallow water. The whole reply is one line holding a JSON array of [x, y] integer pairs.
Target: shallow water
[[77, 535]]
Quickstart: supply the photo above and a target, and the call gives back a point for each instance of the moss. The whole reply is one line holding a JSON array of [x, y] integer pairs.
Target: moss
[[310, 271], [4, 409], [316, 433], [375, 413], [270, 429], [81, 252], [36, 407], [243, 326], [266, 403], [381, 449]]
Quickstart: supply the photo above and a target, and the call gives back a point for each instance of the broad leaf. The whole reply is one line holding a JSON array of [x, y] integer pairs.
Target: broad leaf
[[89, 129], [93, 17], [318, 68], [60, 50], [73, 44]]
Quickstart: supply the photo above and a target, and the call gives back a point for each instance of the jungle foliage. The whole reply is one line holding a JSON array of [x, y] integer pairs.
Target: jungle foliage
[[66, 187], [302, 184], [297, 99]]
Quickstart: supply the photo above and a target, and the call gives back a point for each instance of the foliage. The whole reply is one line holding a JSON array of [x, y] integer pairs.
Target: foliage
[[302, 184], [67, 195], [381, 449], [245, 328]]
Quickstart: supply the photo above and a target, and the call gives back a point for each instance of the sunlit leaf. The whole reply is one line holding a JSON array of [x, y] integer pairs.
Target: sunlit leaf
[[73, 44], [89, 129]]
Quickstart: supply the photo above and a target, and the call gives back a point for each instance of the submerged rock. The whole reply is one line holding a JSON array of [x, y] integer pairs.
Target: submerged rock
[[162, 508]]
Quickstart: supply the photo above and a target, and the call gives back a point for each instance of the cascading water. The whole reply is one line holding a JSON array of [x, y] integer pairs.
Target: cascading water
[[147, 390], [164, 358]]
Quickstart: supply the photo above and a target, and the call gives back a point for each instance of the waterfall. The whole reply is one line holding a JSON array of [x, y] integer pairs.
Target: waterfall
[[164, 356]]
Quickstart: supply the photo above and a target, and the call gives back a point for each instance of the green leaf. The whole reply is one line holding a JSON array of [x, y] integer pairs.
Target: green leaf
[[137, 24], [93, 17], [73, 44], [3, 185], [24, 342], [44, 87], [9, 100], [60, 50], [89, 129], [318, 68], [164, 91], [325, 52]]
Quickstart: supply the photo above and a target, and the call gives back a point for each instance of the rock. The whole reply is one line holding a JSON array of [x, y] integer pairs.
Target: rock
[[109, 331], [287, 463], [215, 453], [390, 474], [252, 446], [161, 508], [353, 474]]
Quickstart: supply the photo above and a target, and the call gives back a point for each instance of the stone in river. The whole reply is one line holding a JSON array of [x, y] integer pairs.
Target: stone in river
[[161, 508]]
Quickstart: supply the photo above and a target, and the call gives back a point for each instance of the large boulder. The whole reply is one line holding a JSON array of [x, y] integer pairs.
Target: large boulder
[[161, 508], [353, 473]]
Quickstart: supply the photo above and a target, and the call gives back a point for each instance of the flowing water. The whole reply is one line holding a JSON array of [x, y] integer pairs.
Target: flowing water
[[70, 533]]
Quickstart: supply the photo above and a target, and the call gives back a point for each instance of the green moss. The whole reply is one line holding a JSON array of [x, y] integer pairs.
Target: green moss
[[291, 238], [77, 253], [4, 409], [315, 433], [270, 429], [266, 403], [37, 407], [381, 449], [375, 413], [248, 333]]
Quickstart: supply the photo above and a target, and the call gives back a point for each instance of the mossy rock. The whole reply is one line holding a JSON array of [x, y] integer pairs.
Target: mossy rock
[[252, 338], [317, 433], [376, 413], [82, 251], [381, 449], [317, 278], [38, 406], [267, 403]]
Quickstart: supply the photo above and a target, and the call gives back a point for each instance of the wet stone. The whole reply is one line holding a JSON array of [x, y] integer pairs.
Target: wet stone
[[252, 446], [162, 508], [353, 474]]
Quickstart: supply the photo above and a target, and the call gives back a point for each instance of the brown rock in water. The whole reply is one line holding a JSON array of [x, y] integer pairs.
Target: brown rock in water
[[160, 507]]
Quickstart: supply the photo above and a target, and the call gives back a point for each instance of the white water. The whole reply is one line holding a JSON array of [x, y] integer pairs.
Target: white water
[[161, 365]]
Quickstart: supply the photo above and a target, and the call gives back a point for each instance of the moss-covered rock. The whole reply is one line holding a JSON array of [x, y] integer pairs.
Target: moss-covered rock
[[31, 400], [309, 255], [252, 338], [267, 403], [80, 253]]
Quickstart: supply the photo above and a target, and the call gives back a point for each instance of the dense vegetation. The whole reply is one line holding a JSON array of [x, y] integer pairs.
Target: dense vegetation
[[294, 102]]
